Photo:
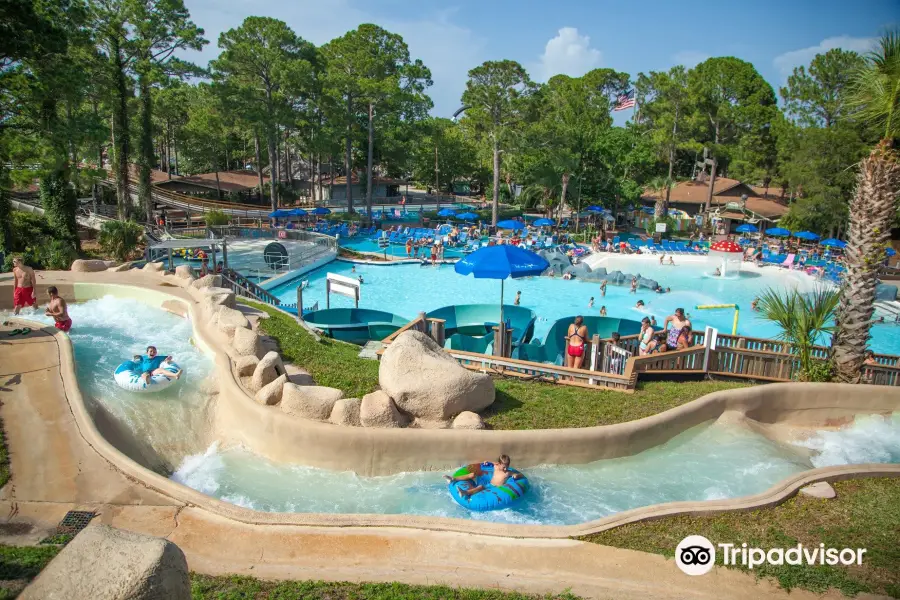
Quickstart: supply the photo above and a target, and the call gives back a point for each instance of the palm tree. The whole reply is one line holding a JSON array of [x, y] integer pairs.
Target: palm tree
[[803, 320], [660, 186], [876, 96]]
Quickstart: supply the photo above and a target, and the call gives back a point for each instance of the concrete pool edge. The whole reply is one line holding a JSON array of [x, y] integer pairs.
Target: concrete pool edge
[[778, 493]]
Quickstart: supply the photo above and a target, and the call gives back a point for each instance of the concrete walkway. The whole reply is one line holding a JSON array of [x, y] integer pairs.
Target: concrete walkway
[[55, 470]]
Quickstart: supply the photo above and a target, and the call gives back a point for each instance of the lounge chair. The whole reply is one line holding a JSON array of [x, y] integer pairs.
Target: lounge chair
[[788, 262]]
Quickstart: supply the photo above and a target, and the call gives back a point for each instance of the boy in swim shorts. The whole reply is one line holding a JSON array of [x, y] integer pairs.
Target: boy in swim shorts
[[23, 286], [58, 310], [501, 474]]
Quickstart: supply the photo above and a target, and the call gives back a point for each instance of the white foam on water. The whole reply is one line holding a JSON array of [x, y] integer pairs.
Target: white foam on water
[[869, 439]]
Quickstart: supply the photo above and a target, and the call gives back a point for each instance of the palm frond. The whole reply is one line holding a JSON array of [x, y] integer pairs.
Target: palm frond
[[875, 92]]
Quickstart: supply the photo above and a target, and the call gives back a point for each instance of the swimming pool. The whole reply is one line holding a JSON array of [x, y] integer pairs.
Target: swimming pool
[[408, 289], [398, 250]]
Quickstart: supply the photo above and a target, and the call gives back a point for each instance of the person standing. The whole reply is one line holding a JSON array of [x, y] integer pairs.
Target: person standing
[[603, 289], [518, 299], [575, 340], [23, 285], [58, 309], [679, 322]]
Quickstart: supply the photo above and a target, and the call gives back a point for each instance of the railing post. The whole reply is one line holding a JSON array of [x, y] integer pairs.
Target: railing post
[[595, 355], [710, 339], [422, 325], [437, 331], [300, 301]]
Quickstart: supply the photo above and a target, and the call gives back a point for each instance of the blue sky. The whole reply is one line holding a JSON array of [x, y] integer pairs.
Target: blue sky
[[574, 36]]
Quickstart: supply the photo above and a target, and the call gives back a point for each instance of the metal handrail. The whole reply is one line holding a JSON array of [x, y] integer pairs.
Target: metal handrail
[[248, 289]]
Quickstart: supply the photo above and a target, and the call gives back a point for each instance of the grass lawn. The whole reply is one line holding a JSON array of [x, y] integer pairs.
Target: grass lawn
[[865, 514], [20, 564], [241, 588], [518, 405]]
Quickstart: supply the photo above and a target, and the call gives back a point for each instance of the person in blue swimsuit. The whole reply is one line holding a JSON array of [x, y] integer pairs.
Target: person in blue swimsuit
[[501, 474], [150, 364]]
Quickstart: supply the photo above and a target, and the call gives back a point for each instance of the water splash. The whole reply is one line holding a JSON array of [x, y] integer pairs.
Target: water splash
[[870, 439]]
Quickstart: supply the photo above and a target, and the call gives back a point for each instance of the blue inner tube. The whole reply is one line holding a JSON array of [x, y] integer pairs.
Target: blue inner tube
[[128, 375], [491, 497]]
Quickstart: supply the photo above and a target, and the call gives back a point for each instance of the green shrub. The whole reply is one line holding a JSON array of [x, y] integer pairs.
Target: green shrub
[[216, 218], [671, 226], [52, 254], [6, 239], [27, 228], [59, 202], [819, 370], [120, 238]]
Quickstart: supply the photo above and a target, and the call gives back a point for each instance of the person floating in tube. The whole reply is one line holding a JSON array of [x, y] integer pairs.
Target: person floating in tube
[[151, 365], [501, 474]]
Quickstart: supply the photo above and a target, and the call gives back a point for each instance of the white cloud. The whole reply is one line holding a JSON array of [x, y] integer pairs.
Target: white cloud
[[786, 62], [689, 58], [569, 54]]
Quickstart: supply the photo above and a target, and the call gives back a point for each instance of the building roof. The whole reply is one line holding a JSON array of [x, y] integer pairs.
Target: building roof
[[229, 181], [694, 192], [355, 180], [774, 192]]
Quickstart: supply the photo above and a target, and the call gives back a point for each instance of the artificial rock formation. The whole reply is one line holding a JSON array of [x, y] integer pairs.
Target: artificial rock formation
[[378, 410], [468, 420], [427, 383], [153, 267], [184, 272], [268, 368], [207, 281], [89, 266], [245, 365], [309, 401], [346, 412], [229, 319], [119, 268], [246, 342], [271, 394], [111, 564]]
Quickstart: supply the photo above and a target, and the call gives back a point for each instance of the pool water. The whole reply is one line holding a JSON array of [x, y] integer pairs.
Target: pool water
[[397, 250], [108, 331], [708, 462], [408, 289]]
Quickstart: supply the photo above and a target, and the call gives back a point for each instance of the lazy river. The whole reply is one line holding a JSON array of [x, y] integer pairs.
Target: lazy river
[[711, 461], [407, 289]]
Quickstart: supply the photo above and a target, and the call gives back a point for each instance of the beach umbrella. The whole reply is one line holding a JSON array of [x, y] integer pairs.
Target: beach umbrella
[[501, 262], [320, 210], [747, 228], [891, 252], [279, 214], [296, 212], [447, 212], [544, 223], [806, 235], [510, 224], [832, 243], [594, 208], [778, 232], [467, 216]]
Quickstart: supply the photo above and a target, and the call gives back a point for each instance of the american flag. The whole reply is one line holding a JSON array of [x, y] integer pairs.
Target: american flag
[[624, 101]]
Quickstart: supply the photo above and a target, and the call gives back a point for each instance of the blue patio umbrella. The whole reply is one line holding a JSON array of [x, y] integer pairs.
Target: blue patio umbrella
[[747, 228], [467, 216], [891, 252], [279, 214], [806, 235], [447, 212], [510, 224], [500, 262], [320, 210], [832, 243], [594, 208], [544, 223], [296, 212], [778, 232]]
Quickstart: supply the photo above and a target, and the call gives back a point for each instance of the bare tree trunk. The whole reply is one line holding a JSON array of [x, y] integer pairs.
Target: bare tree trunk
[[562, 196], [319, 176], [259, 172], [289, 174], [273, 169], [120, 130], [496, 200], [215, 162], [145, 157], [348, 164], [369, 158], [175, 150], [331, 168]]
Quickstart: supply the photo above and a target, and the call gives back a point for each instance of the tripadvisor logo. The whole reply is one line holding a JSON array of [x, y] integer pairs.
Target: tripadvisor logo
[[696, 555]]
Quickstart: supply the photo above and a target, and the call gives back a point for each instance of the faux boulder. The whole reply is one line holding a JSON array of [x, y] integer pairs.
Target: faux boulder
[[427, 383], [89, 266], [378, 410], [112, 564], [309, 401], [271, 394], [153, 267], [184, 271], [207, 281], [267, 370], [120, 268], [220, 295], [468, 420], [245, 365], [229, 319], [346, 412], [246, 342]]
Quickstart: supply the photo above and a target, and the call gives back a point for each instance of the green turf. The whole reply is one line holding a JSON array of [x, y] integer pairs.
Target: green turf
[[865, 514], [21, 564], [4, 457], [247, 588], [518, 404]]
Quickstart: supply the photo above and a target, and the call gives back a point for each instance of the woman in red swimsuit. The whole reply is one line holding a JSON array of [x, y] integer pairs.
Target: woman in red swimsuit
[[575, 340]]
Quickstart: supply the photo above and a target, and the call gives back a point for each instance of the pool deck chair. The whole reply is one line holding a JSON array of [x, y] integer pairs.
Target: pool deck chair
[[788, 262]]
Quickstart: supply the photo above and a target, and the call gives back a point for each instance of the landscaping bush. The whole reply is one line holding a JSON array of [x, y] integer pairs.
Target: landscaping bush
[[52, 254], [59, 202], [120, 238], [216, 218], [5, 222], [671, 226]]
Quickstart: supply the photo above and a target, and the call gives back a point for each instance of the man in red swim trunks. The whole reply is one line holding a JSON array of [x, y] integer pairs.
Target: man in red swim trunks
[[23, 286], [58, 310]]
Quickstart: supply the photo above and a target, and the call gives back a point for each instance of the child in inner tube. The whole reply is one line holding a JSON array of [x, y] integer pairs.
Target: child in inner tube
[[501, 474]]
